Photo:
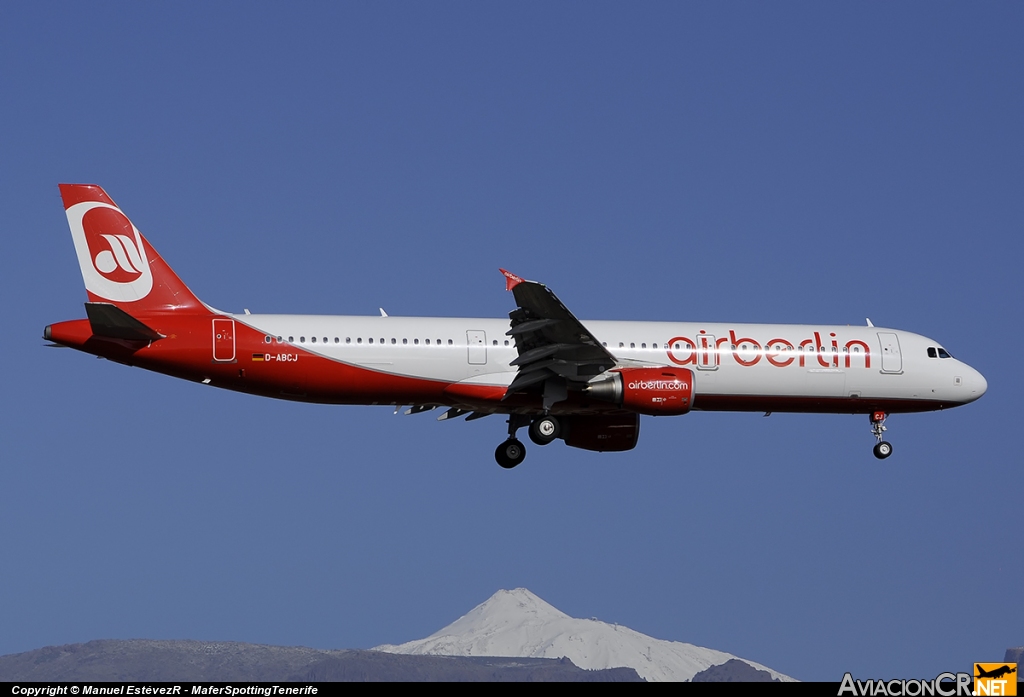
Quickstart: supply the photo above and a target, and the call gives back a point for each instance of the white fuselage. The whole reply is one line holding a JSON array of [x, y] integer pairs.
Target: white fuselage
[[728, 360]]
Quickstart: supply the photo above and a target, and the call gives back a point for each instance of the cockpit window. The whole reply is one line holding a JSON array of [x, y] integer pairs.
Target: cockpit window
[[943, 353], [931, 352]]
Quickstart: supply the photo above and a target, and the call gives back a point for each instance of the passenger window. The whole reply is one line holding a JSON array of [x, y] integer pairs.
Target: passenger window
[[291, 339], [348, 340], [931, 352], [450, 342], [632, 345], [302, 339], [405, 341], [621, 345], [416, 342], [427, 342], [359, 340], [495, 342], [370, 340], [643, 345], [266, 339], [337, 340], [394, 341], [506, 342]]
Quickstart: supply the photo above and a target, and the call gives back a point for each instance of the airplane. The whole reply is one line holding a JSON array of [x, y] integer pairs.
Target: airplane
[[999, 672], [586, 383]]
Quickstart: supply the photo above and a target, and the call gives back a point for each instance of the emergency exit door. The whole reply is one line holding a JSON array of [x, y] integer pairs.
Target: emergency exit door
[[476, 340]]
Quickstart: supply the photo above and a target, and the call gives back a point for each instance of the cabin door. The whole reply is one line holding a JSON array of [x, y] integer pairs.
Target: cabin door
[[892, 361], [223, 340]]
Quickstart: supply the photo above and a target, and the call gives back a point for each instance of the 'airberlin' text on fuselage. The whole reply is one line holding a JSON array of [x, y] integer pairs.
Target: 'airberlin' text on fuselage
[[706, 351]]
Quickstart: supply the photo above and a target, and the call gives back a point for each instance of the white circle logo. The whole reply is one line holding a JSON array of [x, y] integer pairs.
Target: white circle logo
[[111, 253]]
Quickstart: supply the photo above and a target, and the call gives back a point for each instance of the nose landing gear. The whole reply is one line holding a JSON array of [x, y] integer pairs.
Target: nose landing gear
[[882, 449]]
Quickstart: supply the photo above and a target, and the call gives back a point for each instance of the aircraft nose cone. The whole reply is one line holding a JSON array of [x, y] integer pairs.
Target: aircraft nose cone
[[982, 386], [976, 384]]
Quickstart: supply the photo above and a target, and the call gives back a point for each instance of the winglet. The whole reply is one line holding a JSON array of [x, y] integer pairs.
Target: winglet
[[511, 280]]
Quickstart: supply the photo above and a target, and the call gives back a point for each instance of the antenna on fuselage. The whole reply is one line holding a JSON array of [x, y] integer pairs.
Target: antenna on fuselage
[[867, 318]]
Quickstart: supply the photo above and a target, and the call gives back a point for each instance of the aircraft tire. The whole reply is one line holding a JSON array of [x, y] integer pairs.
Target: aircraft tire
[[510, 453], [883, 450], [544, 430]]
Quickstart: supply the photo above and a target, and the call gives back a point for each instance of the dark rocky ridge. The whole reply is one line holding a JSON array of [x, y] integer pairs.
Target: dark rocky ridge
[[141, 660], [733, 670]]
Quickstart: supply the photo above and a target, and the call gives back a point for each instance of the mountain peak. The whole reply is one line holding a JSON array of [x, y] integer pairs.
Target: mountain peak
[[518, 623], [519, 601], [504, 611]]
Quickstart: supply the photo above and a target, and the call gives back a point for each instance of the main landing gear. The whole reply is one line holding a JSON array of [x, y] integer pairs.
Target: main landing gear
[[543, 430], [510, 453], [882, 449]]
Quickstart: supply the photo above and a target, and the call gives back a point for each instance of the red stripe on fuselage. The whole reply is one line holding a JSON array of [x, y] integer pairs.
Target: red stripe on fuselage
[[814, 405]]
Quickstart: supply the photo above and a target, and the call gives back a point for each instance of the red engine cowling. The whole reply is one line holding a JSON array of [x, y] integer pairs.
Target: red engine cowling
[[653, 391], [601, 433]]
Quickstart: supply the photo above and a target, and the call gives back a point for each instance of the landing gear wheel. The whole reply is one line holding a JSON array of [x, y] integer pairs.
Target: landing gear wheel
[[510, 453], [882, 450], [544, 430]]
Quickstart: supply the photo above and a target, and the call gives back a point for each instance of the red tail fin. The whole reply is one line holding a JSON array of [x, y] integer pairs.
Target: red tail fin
[[118, 265]]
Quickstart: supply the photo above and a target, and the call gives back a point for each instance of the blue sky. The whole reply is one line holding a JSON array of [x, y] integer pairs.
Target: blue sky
[[746, 162]]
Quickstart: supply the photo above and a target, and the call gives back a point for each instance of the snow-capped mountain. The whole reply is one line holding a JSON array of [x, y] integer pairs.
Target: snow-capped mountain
[[518, 623]]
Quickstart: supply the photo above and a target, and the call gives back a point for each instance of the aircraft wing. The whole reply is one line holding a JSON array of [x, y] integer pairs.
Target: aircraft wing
[[551, 342]]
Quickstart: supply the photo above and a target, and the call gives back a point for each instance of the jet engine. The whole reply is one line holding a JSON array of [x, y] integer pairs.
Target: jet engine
[[653, 391]]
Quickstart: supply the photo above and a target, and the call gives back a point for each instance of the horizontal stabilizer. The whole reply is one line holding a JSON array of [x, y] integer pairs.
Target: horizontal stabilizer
[[111, 322]]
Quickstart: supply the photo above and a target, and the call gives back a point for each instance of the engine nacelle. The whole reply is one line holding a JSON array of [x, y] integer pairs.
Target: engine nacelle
[[602, 434], [653, 391]]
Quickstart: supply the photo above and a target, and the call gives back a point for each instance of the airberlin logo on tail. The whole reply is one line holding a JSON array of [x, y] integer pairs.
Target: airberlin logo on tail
[[110, 252], [122, 258]]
